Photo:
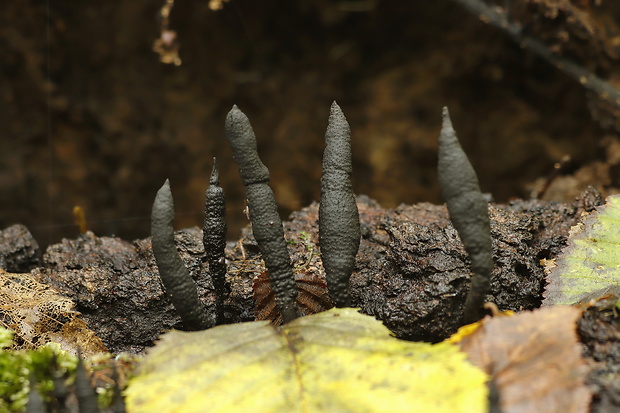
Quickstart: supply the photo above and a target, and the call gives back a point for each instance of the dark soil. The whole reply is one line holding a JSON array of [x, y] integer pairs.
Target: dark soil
[[599, 329]]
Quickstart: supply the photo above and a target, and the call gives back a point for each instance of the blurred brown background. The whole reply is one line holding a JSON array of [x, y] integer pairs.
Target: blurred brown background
[[90, 116]]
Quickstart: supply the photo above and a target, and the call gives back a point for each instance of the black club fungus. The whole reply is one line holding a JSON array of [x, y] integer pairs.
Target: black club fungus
[[35, 400], [266, 223], [339, 224], [86, 396], [214, 240], [179, 286], [468, 212]]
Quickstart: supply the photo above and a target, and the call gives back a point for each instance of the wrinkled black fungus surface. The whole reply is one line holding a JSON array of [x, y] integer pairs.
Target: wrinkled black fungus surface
[[86, 397], [266, 222], [214, 240], [468, 213], [180, 287], [412, 271], [339, 225]]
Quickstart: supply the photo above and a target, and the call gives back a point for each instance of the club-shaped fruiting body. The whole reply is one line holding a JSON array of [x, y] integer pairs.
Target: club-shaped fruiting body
[[214, 240], [468, 212], [35, 401], [61, 391], [179, 286], [118, 402], [266, 223], [85, 394], [339, 224]]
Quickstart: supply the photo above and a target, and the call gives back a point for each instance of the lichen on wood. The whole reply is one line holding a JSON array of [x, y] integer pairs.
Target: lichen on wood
[[266, 222], [179, 286], [339, 224]]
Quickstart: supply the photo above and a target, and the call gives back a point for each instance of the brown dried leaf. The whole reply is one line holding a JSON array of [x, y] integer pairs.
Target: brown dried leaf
[[535, 360], [39, 315], [312, 296]]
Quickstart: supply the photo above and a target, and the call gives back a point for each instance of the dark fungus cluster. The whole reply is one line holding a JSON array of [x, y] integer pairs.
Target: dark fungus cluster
[[339, 226], [339, 236]]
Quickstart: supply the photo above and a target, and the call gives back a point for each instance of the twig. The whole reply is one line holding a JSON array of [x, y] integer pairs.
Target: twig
[[589, 80]]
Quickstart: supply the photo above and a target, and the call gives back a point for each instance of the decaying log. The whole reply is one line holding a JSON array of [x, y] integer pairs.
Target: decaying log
[[412, 271]]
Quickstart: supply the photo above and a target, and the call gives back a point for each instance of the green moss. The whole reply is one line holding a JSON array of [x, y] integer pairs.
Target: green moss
[[6, 338], [17, 365], [48, 361]]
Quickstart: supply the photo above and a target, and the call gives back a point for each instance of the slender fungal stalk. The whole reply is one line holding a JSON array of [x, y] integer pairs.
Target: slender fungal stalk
[[179, 286], [86, 397], [266, 223], [469, 214], [35, 402], [339, 223], [214, 240]]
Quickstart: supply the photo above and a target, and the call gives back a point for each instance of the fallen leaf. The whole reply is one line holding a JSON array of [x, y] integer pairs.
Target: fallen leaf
[[39, 315], [334, 361], [534, 359], [311, 297], [591, 260]]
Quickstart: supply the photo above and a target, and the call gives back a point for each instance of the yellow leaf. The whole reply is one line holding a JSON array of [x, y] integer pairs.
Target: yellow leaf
[[588, 266], [335, 361]]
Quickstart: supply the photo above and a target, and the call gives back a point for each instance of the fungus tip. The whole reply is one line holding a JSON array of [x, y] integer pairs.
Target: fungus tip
[[446, 121], [233, 114], [335, 110], [215, 175], [338, 133], [448, 142], [164, 194], [238, 122]]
